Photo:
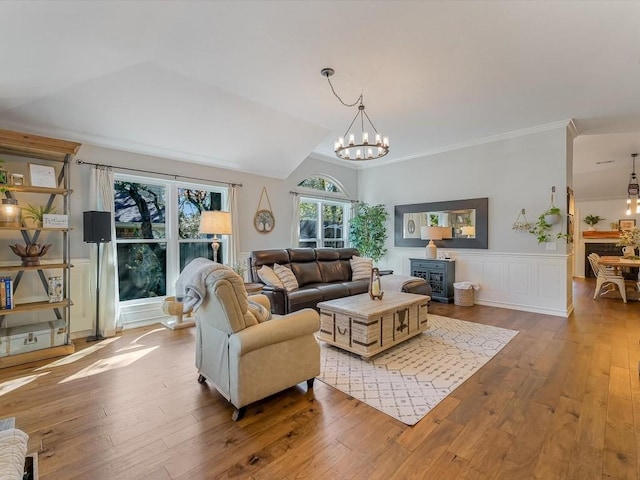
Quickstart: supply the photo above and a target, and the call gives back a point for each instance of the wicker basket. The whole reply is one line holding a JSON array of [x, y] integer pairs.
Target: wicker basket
[[463, 297]]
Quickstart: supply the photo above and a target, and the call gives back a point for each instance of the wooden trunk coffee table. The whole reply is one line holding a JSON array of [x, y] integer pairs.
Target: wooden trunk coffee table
[[367, 327]]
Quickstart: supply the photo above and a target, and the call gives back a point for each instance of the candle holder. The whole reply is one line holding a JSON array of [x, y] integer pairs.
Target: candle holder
[[375, 287]]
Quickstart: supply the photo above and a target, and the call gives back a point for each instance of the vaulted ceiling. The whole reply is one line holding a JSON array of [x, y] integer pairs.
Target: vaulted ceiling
[[237, 84]]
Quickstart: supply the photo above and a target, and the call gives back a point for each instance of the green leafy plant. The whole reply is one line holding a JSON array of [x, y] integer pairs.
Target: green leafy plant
[[591, 220], [36, 213], [542, 228], [367, 230]]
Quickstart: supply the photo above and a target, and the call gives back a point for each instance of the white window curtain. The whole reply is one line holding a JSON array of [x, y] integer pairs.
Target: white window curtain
[[234, 242], [295, 219], [102, 184]]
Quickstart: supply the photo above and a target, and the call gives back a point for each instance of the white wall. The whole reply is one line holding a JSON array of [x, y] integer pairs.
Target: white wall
[[514, 173]]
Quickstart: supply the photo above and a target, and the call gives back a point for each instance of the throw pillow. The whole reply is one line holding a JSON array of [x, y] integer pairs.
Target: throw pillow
[[361, 268], [259, 311], [269, 277], [286, 276]]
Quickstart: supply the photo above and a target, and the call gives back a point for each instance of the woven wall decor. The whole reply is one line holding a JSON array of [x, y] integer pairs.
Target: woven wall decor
[[263, 220]]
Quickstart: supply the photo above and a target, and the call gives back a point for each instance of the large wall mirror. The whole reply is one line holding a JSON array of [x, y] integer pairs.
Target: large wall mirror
[[453, 224]]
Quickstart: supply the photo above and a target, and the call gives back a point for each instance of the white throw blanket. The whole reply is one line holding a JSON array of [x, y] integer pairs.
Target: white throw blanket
[[395, 283], [190, 286], [13, 451]]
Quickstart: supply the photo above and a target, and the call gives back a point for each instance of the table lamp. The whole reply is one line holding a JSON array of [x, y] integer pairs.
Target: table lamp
[[468, 231], [431, 234], [215, 222]]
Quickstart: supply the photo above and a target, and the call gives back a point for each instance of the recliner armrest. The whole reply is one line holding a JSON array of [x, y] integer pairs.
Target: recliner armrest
[[279, 329]]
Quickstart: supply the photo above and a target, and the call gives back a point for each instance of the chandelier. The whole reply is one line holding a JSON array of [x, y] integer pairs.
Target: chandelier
[[633, 190], [358, 144]]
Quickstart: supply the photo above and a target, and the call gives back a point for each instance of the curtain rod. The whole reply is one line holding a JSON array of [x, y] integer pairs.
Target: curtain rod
[[175, 177]]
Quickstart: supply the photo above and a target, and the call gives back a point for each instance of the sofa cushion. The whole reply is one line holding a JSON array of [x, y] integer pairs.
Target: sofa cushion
[[287, 277], [269, 277], [331, 291], [357, 287], [306, 272], [333, 271], [361, 268], [259, 311], [304, 298]]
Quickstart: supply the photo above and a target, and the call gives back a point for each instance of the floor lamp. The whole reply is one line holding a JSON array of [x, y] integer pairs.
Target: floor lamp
[[215, 222], [97, 229]]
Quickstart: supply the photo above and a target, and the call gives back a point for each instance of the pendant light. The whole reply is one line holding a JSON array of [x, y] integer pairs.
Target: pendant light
[[633, 189], [358, 142]]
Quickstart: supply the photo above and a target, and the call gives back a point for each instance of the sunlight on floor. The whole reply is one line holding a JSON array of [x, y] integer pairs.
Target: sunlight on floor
[[78, 355], [107, 364], [117, 360], [16, 383], [135, 343]]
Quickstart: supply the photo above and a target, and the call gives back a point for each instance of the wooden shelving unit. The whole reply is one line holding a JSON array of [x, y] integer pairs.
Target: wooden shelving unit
[[601, 234], [34, 147]]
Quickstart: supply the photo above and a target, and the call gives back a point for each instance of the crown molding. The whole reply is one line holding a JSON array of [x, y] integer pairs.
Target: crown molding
[[481, 141]]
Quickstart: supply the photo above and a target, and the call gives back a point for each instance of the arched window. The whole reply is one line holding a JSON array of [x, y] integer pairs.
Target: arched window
[[323, 219], [321, 183]]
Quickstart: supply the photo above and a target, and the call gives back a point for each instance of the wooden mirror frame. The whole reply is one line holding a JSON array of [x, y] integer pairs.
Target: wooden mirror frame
[[481, 206]]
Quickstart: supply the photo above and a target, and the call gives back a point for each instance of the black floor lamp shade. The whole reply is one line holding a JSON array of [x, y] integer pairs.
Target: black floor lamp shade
[[97, 229]]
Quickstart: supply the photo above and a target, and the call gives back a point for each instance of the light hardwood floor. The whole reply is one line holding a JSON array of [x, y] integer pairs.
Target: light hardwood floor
[[562, 400]]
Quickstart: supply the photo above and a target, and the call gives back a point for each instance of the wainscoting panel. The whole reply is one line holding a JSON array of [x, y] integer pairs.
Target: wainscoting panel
[[539, 283], [519, 275], [82, 295]]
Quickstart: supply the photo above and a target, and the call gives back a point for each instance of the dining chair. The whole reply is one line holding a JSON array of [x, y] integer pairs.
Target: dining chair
[[605, 276]]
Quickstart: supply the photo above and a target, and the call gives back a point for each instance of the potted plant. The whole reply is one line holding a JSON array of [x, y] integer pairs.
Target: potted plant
[[34, 214], [592, 220], [542, 228], [552, 215], [367, 230]]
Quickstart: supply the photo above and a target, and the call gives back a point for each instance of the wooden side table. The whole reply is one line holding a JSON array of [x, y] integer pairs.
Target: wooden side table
[[253, 288]]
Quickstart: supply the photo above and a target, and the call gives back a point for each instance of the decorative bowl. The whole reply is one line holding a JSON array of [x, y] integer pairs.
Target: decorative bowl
[[31, 253]]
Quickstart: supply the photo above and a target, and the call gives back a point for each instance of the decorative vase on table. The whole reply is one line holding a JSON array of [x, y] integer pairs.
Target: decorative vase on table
[[628, 251]]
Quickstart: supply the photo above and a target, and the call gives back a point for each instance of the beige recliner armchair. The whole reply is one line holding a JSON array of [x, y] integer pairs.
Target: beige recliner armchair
[[242, 351]]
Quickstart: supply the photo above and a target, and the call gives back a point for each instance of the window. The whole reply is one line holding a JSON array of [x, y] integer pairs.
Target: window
[[191, 202], [323, 222], [141, 239], [157, 232], [331, 216]]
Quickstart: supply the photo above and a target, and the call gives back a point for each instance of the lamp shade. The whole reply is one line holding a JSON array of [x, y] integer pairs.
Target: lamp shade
[[469, 231], [430, 233], [215, 222]]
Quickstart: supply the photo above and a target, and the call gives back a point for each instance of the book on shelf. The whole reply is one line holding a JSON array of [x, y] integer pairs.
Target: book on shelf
[[6, 293]]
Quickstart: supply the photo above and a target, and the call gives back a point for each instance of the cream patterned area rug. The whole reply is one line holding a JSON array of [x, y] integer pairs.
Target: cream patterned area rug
[[408, 380]]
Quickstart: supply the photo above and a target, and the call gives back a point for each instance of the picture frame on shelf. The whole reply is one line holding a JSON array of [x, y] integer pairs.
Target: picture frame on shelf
[[42, 176], [627, 224]]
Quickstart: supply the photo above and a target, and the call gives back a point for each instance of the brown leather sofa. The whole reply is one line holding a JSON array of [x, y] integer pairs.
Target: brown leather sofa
[[322, 274]]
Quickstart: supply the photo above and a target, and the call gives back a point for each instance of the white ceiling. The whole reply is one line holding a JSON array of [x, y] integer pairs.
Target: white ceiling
[[237, 84]]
